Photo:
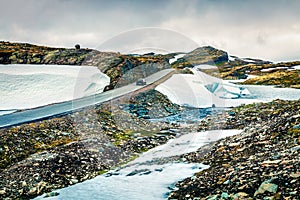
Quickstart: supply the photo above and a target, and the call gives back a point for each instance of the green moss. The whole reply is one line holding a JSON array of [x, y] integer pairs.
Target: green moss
[[102, 171], [121, 137], [105, 113]]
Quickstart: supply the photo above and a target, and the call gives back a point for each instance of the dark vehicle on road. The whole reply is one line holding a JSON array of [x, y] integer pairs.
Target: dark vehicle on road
[[141, 82]]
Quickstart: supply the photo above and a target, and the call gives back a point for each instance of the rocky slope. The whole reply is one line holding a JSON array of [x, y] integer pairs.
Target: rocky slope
[[231, 67], [263, 162], [122, 69], [278, 74], [23, 53], [41, 156], [201, 55], [280, 78], [151, 104]]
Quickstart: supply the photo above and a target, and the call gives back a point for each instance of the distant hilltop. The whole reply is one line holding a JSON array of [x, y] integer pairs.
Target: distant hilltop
[[124, 69]]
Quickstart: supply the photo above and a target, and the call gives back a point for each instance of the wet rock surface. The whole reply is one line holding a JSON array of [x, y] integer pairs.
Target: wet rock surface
[[260, 163]]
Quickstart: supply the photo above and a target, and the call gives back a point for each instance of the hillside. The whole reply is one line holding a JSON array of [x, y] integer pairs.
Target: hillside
[[263, 161], [283, 74], [124, 69], [260, 163], [41, 156]]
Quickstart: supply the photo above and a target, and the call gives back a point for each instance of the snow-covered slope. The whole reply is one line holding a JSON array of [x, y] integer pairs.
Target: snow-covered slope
[[28, 86], [201, 90]]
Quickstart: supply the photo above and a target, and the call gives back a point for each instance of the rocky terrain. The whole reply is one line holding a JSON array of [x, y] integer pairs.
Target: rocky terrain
[[278, 78], [201, 55], [122, 69], [23, 53], [279, 74], [262, 162], [266, 73], [41, 156], [151, 104]]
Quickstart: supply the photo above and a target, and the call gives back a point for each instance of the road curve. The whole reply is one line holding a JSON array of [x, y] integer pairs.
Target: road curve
[[63, 108]]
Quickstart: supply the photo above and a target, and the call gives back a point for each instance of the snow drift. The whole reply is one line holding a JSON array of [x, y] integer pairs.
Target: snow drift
[[28, 86], [201, 90]]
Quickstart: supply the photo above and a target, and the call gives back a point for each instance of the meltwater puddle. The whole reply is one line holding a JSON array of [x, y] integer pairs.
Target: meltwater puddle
[[138, 180]]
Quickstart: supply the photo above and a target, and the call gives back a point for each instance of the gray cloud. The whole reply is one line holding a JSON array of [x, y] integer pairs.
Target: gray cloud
[[263, 29]]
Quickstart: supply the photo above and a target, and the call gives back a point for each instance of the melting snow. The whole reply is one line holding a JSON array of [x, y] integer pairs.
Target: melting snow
[[230, 58], [200, 90], [205, 67], [297, 67], [140, 179]]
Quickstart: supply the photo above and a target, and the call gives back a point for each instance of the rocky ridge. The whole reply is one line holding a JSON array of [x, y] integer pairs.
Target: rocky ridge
[[201, 55]]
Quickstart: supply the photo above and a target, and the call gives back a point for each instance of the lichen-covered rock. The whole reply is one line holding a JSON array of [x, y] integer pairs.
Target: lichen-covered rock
[[201, 55]]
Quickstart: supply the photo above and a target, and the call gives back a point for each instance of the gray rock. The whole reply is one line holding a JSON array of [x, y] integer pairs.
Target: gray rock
[[51, 194], [266, 186]]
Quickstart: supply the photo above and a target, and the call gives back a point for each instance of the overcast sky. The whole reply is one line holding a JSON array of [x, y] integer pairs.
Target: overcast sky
[[267, 29]]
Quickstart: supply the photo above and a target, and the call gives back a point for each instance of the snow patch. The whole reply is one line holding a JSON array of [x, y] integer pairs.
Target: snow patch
[[205, 67], [150, 182], [185, 144], [248, 60], [297, 67], [141, 180], [230, 58], [273, 68], [200, 90], [29, 86], [172, 60]]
